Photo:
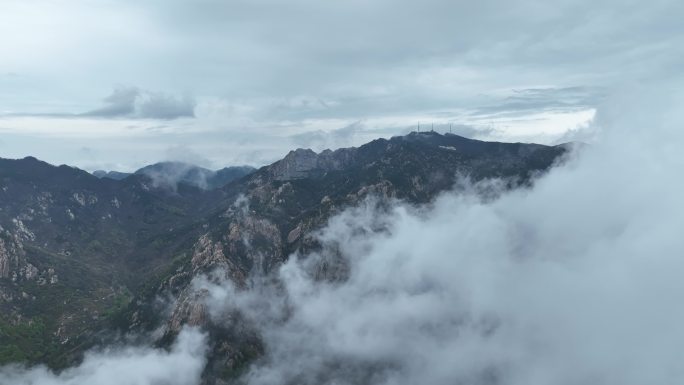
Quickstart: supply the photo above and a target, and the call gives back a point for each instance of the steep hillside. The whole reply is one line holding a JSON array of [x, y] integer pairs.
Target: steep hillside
[[73, 248], [272, 213], [82, 257]]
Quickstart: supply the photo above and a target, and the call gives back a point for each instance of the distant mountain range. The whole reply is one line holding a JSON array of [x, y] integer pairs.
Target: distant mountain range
[[116, 175], [170, 174], [83, 257]]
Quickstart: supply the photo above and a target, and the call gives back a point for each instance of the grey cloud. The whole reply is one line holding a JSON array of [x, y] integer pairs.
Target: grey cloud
[[466, 130], [535, 100], [278, 65], [185, 154], [471, 132], [131, 102], [120, 103], [588, 134], [574, 281], [163, 106], [357, 46], [320, 140]]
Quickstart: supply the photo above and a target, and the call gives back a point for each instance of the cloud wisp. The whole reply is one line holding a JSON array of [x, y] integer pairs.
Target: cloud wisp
[[181, 365]]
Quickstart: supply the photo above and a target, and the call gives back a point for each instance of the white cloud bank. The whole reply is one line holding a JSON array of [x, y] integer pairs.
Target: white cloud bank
[[576, 281]]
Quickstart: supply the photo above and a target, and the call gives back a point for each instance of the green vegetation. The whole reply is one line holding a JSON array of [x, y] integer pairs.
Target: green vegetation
[[121, 302], [27, 341]]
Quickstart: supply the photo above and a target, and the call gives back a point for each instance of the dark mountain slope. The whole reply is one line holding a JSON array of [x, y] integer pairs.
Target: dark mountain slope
[[80, 255], [268, 215], [116, 175], [73, 248]]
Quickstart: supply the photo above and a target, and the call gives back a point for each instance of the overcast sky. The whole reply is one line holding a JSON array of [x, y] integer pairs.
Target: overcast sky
[[118, 84]]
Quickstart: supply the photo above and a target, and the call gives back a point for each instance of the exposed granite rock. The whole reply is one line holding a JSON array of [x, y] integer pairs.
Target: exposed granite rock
[[209, 256], [22, 231], [189, 310], [29, 272], [8, 260], [297, 164], [256, 241], [294, 234], [11, 255], [383, 189], [303, 163]]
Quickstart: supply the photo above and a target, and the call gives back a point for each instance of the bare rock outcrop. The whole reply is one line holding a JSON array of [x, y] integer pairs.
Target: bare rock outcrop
[[304, 163], [11, 255]]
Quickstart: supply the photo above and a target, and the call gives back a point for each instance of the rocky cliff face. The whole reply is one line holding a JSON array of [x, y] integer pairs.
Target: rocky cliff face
[[301, 163], [275, 211], [13, 263], [115, 248], [11, 255]]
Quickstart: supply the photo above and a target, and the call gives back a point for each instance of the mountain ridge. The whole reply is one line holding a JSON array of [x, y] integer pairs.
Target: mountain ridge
[[84, 256], [170, 174]]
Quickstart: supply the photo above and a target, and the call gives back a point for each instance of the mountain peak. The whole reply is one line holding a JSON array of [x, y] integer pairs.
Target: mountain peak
[[106, 247], [169, 174]]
